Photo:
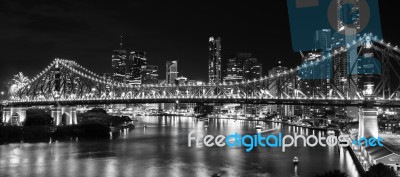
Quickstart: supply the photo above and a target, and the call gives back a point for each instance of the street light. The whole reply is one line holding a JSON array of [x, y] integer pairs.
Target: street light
[[2, 94]]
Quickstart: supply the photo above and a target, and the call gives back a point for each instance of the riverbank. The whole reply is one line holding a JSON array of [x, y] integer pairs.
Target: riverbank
[[12, 134], [303, 126], [272, 121]]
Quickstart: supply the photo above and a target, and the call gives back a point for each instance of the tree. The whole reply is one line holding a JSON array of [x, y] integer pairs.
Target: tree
[[334, 173], [118, 120], [38, 117], [94, 116], [380, 170]]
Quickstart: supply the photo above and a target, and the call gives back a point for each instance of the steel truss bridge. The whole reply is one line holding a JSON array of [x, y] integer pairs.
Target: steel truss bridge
[[65, 82]]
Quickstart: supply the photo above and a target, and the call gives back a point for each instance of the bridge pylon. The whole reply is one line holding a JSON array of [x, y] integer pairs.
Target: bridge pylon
[[64, 115], [368, 122], [14, 115]]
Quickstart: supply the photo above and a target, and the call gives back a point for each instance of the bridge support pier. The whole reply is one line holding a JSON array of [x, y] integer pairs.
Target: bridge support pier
[[14, 115], [64, 115], [368, 122]]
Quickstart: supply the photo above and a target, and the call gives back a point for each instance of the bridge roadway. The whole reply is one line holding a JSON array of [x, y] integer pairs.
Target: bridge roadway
[[253, 100]]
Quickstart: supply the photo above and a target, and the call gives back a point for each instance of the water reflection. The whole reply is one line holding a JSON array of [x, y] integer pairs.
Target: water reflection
[[161, 149]]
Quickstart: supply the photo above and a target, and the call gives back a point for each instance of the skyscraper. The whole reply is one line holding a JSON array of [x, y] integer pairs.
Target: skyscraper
[[234, 70], [172, 71], [256, 71], [149, 74], [134, 67], [346, 66], [279, 88], [119, 65], [251, 69], [323, 40], [214, 60], [348, 14], [242, 67]]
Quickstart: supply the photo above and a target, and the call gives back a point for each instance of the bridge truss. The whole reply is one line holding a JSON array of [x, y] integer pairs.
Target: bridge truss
[[65, 82]]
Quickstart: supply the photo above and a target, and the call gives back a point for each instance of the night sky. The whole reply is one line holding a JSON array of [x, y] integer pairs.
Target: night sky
[[33, 33]]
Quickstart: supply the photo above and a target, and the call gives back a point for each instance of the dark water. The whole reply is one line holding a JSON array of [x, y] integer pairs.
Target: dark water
[[162, 149]]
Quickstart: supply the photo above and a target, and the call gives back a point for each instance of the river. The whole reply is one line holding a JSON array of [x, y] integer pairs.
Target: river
[[161, 149]]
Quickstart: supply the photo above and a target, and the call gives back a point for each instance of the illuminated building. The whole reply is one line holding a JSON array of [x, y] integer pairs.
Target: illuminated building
[[242, 67], [134, 67], [119, 65], [214, 60], [172, 71], [149, 74], [278, 89]]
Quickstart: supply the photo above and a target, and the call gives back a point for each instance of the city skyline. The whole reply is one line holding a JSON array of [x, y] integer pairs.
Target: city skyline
[[125, 88], [86, 48]]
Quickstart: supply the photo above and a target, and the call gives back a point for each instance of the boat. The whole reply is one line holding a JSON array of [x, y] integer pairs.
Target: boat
[[258, 126], [296, 160], [205, 126], [145, 126]]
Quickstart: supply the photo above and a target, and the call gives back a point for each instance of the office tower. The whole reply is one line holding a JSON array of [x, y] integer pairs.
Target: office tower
[[149, 74], [279, 88], [323, 40], [172, 71], [242, 60], [251, 69], [234, 70], [348, 14], [242, 67], [214, 60], [314, 82], [247, 65], [134, 67], [256, 71], [346, 67], [119, 65]]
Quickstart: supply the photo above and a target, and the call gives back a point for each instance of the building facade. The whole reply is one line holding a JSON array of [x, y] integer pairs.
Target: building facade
[[279, 88], [323, 40], [234, 70], [251, 69], [214, 60], [171, 71], [119, 58], [149, 74], [242, 67], [134, 67]]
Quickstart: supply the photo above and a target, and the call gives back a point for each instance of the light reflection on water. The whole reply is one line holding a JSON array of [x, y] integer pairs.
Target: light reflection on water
[[161, 149]]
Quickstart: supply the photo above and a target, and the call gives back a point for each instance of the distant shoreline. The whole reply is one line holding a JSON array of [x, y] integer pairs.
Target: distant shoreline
[[286, 123]]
